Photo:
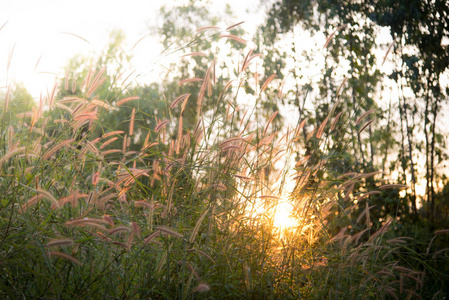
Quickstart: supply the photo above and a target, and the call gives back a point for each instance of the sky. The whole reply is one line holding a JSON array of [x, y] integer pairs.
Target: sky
[[39, 36]]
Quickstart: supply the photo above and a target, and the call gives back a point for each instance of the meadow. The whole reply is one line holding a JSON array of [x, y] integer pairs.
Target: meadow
[[196, 203]]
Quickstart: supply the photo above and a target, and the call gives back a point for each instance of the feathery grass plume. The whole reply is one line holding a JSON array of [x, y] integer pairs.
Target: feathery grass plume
[[118, 229], [298, 129], [11, 135], [232, 148], [233, 37], [55, 148], [98, 80], [202, 253], [85, 116], [60, 121], [199, 102], [334, 123], [86, 220], [230, 140], [248, 59], [64, 107], [131, 178], [355, 238], [136, 229], [367, 194], [8, 91], [201, 288], [152, 236], [398, 240], [228, 85], [267, 82], [310, 134], [72, 198], [367, 175], [130, 175], [111, 151], [102, 236], [321, 128], [32, 201], [73, 99], [179, 99], [51, 97], [108, 219], [281, 86], [366, 214], [35, 117], [206, 28], [96, 102], [269, 197], [197, 226], [270, 120], [256, 79], [442, 231], [127, 99], [127, 77], [11, 52], [337, 96], [108, 142], [243, 177], [60, 242], [91, 147], [103, 200], [121, 245], [329, 38], [125, 144], [13, 151], [4, 24], [143, 203], [340, 236], [129, 241], [106, 135], [393, 186], [235, 25], [384, 228], [212, 81], [161, 125], [131, 124], [92, 197], [189, 80], [169, 231], [364, 126], [48, 196], [86, 81], [28, 114], [95, 178], [363, 116], [58, 254], [74, 85], [388, 51], [145, 142]]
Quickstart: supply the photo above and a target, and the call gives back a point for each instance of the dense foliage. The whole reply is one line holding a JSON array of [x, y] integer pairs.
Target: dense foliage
[[183, 188]]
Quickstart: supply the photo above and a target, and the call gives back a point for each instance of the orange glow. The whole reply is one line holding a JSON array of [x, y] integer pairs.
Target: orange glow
[[283, 215]]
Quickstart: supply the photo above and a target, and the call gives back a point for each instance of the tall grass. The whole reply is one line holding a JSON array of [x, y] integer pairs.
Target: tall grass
[[190, 213]]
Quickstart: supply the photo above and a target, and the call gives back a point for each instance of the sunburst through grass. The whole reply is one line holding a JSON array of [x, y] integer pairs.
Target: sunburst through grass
[[283, 215], [203, 205]]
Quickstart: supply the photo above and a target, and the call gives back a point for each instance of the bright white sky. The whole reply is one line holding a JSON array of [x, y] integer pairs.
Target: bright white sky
[[36, 31]]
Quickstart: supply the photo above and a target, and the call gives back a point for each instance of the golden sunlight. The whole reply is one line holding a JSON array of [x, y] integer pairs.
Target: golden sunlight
[[283, 215]]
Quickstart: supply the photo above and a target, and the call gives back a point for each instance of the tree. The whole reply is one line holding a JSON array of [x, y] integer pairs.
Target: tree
[[418, 29]]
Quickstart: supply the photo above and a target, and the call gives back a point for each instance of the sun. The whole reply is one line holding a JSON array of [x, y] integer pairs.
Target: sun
[[283, 215]]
